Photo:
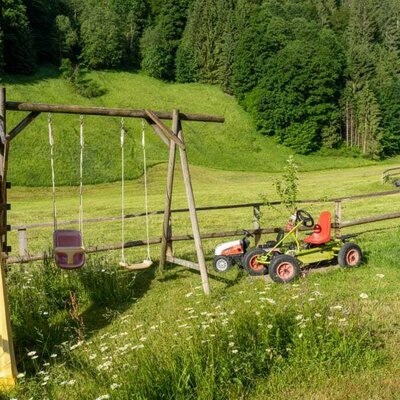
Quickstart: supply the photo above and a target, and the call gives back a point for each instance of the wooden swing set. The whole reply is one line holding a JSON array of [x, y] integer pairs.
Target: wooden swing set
[[172, 137]]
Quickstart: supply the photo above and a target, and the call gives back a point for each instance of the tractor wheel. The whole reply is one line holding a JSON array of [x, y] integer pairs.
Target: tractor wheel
[[284, 269], [251, 265], [222, 264], [350, 255]]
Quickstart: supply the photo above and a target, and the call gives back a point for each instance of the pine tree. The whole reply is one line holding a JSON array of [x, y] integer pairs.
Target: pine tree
[[160, 41], [19, 53], [102, 41]]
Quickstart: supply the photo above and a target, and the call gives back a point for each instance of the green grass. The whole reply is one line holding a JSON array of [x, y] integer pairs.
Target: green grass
[[152, 337], [233, 146]]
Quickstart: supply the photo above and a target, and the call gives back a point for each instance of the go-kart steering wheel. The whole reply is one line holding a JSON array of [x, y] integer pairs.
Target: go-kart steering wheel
[[305, 217], [247, 233]]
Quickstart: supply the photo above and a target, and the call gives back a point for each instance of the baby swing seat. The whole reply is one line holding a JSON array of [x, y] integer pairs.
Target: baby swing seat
[[69, 252]]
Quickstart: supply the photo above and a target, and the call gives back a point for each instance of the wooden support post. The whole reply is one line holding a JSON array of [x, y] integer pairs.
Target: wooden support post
[[338, 217], [193, 214], [170, 250], [23, 243], [166, 234], [8, 366], [256, 224]]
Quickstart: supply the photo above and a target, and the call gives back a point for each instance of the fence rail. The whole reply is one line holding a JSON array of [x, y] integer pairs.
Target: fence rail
[[257, 231], [390, 173]]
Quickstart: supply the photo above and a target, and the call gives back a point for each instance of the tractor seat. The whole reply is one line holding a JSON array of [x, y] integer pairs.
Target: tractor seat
[[322, 230]]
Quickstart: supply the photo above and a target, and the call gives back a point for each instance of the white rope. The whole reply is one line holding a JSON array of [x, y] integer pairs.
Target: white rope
[[145, 189], [53, 177], [122, 138], [82, 144]]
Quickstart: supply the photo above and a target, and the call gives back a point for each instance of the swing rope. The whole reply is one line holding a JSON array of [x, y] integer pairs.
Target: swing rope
[[147, 261], [122, 139], [53, 176], [82, 145], [145, 189]]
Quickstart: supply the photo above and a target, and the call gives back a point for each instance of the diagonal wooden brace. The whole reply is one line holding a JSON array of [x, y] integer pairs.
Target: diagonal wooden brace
[[164, 129], [22, 125]]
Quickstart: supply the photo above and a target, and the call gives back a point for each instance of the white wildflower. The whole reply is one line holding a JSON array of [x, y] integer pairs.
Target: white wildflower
[[318, 315], [234, 351], [380, 276], [114, 386], [189, 294], [31, 353], [103, 397], [364, 295], [21, 375]]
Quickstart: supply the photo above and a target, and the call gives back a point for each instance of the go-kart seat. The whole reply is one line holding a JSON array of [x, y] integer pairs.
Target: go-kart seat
[[322, 230]]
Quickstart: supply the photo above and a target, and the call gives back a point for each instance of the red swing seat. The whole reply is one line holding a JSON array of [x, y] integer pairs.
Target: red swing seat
[[322, 230], [69, 252]]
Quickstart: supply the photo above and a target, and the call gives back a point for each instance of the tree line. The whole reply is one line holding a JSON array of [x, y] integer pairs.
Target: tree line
[[315, 74]]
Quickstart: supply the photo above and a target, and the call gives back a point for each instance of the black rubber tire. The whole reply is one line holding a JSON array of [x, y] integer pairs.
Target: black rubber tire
[[220, 260], [278, 263], [248, 262], [350, 256]]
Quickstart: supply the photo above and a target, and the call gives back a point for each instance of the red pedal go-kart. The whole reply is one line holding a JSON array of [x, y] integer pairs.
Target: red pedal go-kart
[[285, 259]]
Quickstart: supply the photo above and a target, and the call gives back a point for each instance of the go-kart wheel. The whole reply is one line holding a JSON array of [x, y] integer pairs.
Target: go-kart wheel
[[350, 255], [250, 262], [305, 217], [222, 263], [284, 269]]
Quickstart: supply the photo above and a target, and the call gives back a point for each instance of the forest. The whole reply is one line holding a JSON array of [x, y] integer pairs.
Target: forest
[[314, 74]]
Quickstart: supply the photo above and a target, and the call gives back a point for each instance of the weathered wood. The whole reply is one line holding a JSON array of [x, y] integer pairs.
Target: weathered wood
[[183, 263], [158, 131], [256, 224], [8, 366], [168, 194], [164, 129], [23, 243], [207, 208], [368, 220], [106, 111], [22, 125], [338, 217], [193, 215]]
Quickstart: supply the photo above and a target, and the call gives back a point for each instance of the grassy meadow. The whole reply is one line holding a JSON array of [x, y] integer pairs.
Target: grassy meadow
[[103, 332], [106, 333]]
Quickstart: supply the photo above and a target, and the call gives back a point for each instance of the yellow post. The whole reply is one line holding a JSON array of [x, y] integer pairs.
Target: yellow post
[[8, 366]]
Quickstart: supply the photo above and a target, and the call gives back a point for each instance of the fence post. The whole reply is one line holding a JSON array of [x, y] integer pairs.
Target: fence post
[[338, 217], [23, 243], [256, 224]]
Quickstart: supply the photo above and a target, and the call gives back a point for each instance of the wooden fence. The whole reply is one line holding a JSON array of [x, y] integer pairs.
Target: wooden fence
[[390, 174], [257, 229]]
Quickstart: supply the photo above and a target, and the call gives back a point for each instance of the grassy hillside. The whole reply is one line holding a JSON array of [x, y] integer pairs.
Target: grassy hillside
[[232, 146]]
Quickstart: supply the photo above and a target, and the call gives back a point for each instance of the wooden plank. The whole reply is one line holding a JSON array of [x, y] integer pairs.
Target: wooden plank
[[22, 125], [8, 365], [168, 194], [256, 225], [183, 263], [164, 129], [106, 111], [193, 215], [368, 220], [158, 131], [23, 243]]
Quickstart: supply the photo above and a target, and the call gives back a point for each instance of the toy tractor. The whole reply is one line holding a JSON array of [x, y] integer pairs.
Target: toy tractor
[[285, 260]]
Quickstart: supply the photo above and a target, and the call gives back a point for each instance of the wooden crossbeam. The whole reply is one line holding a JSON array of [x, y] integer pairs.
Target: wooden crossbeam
[[164, 129]]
